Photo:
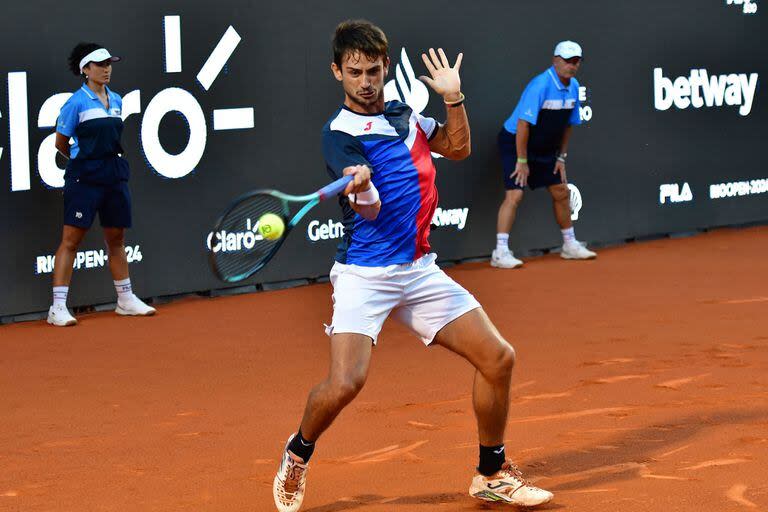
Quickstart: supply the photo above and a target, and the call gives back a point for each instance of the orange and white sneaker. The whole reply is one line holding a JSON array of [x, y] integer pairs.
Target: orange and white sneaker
[[290, 482], [508, 486]]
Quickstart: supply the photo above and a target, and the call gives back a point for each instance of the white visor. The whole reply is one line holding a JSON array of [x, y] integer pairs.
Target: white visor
[[99, 55], [567, 49]]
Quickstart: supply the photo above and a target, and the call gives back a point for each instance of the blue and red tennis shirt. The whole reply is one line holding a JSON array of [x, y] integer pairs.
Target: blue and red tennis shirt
[[394, 144]]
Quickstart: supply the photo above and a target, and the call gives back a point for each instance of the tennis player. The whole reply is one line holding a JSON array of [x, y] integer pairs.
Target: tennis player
[[384, 264], [95, 180], [534, 146]]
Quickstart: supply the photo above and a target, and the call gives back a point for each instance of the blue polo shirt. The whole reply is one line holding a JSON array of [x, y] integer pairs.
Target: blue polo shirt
[[550, 107], [96, 130]]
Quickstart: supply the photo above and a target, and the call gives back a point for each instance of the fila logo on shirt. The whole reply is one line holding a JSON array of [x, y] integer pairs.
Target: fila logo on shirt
[[700, 89], [748, 6], [368, 126], [674, 193]]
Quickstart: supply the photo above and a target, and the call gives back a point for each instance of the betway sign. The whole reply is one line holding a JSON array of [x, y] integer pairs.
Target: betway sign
[[701, 89]]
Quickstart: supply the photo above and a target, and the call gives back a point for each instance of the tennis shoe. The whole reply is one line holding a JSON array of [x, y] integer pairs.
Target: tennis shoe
[[504, 259], [59, 315], [576, 251], [134, 306], [508, 486], [290, 482]]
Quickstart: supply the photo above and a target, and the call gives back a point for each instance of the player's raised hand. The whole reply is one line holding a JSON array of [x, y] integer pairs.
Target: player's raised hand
[[444, 79]]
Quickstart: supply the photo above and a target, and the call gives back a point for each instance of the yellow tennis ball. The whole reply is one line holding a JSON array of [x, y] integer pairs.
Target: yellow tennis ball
[[271, 226]]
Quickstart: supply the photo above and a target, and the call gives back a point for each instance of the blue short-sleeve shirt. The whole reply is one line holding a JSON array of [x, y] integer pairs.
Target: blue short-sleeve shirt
[[96, 130], [394, 144], [550, 107]]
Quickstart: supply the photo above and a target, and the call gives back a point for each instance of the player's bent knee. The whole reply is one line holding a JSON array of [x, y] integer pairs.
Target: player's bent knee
[[347, 388], [506, 361], [498, 367]]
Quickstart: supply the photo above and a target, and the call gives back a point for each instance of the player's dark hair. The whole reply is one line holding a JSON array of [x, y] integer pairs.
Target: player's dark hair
[[359, 36], [77, 54]]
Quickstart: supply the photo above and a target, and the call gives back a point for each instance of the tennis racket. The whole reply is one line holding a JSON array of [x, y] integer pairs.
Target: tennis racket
[[238, 248]]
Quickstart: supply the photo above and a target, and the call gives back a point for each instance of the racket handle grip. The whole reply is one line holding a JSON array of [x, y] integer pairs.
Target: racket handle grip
[[334, 188]]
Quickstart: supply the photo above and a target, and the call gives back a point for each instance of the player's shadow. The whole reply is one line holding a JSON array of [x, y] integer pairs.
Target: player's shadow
[[405, 502], [597, 466], [591, 466]]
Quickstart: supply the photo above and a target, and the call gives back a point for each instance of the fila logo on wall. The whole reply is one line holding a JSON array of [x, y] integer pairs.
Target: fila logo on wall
[[747, 6], [700, 89], [171, 99], [674, 193]]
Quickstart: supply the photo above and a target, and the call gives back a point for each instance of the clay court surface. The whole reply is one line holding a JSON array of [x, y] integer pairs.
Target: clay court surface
[[641, 384]]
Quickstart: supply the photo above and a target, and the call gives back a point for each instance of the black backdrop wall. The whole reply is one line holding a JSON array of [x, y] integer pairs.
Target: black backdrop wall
[[651, 157]]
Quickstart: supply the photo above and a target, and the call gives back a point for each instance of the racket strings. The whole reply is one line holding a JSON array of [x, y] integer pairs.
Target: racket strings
[[237, 245]]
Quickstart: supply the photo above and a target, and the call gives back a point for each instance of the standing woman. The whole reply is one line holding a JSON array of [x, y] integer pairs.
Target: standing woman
[[96, 180]]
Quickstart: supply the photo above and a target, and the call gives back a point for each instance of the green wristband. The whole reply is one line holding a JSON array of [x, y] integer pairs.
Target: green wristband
[[522, 160]]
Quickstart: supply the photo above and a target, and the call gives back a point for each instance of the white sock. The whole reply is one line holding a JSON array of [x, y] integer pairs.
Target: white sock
[[502, 242], [568, 235], [123, 289], [60, 295]]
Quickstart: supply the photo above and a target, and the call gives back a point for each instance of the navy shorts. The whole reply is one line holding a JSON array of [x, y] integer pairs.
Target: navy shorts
[[541, 166], [82, 200]]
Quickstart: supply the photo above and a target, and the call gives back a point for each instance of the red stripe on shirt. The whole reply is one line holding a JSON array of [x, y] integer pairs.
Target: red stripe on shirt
[[422, 159]]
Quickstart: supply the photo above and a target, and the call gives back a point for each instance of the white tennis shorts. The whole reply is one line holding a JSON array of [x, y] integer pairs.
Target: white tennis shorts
[[418, 294]]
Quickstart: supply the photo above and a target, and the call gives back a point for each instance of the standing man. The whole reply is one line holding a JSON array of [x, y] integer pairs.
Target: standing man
[[384, 264], [534, 146]]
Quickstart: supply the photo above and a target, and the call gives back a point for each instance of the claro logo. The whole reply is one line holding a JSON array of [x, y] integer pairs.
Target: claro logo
[[172, 99], [700, 89]]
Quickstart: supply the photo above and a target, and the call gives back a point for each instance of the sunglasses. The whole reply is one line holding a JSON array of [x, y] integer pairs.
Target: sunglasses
[[573, 60]]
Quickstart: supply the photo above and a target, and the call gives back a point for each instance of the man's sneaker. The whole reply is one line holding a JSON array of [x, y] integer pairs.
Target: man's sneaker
[[576, 251], [290, 482], [504, 259], [508, 486], [59, 315], [134, 307]]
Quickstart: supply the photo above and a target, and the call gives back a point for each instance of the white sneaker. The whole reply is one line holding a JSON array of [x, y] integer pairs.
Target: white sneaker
[[576, 251], [134, 307], [504, 259], [59, 315], [290, 482], [508, 486]]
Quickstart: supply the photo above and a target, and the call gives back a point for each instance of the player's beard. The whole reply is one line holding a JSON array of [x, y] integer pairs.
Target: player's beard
[[367, 102]]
